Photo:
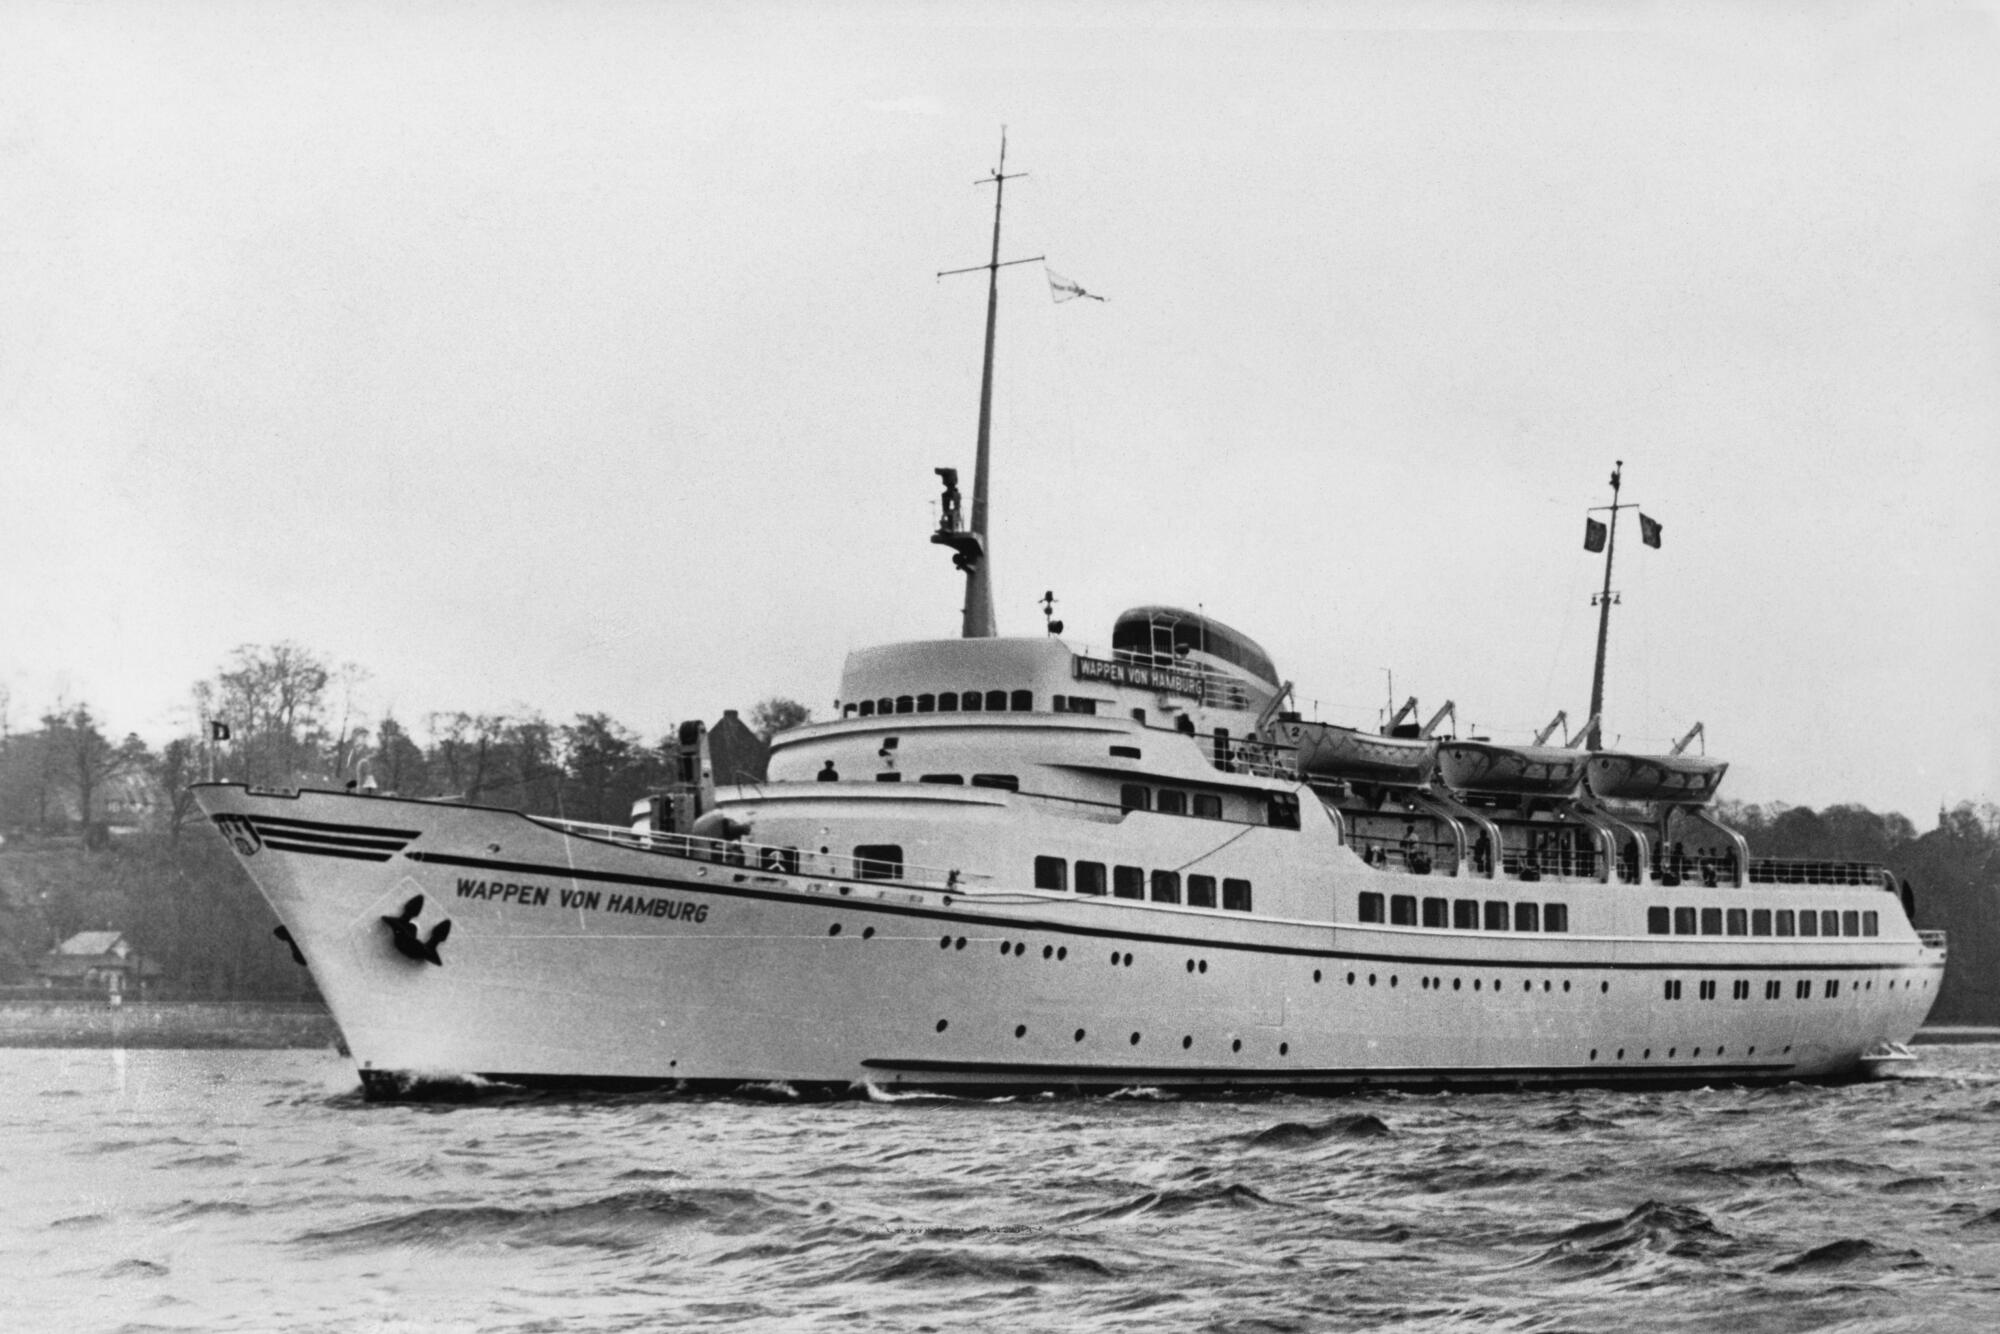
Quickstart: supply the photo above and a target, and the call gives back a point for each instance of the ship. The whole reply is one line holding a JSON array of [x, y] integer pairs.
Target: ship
[[1008, 865]]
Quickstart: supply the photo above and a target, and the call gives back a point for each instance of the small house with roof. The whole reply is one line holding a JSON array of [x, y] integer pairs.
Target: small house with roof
[[97, 961]]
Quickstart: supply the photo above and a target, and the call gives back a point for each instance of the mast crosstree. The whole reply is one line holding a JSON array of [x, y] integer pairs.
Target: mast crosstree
[[970, 543]]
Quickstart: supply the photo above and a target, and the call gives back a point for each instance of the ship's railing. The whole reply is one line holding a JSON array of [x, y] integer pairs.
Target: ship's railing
[[1219, 690], [768, 857], [1261, 759], [1790, 871], [1931, 940]]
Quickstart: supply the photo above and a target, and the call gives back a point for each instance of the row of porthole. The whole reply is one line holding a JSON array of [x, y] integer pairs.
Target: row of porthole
[[1478, 984], [1647, 1054], [1187, 1040]]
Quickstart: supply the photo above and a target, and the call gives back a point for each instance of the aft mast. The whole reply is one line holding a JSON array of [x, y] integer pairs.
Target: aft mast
[[1604, 537], [969, 545]]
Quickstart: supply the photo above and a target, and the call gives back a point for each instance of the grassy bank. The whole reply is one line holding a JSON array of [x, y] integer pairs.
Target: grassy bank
[[83, 1023]]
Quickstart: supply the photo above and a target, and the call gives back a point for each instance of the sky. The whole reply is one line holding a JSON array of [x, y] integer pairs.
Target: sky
[[592, 357]]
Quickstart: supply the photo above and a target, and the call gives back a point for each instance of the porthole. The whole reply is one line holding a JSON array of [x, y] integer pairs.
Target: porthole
[[1284, 1049], [1392, 979], [1593, 1053], [1048, 950], [1236, 1045], [833, 930], [1079, 1035], [1020, 948], [1350, 979], [1128, 961], [1621, 1053], [1062, 952], [1114, 958], [1718, 1051], [1527, 986], [959, 944], [1202, 966], [868, 933], [1135, 1039], [1315, 975], [1006, 948], [1753, 1051], [1546, 984], [1186, 1042], [1603, 988], [1457, 982], [1477, 984], [943, 1024], [1371, 979], [1648, 1055], [1190, 966], [944, 942], [1020, 1030], [1565, 986], [1697, 1051], [1671, 1051]]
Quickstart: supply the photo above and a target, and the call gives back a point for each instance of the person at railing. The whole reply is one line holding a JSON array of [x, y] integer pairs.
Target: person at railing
[[1482, 854], [829, 774]]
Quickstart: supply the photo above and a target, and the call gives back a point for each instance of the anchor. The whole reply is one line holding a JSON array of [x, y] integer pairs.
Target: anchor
[[403, 933]]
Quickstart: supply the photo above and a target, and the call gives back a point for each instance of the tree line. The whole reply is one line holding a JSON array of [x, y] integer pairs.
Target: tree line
[[96, 830]]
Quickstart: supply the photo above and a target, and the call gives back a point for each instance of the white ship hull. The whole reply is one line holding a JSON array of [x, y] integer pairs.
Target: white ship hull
[[580, 957]]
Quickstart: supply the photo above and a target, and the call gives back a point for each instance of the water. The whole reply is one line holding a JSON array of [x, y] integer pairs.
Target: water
[[196, 1190]]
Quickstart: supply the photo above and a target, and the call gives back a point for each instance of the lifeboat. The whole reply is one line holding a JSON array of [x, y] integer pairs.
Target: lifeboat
[[1327, 751], [1687, 779], [1531, 771]]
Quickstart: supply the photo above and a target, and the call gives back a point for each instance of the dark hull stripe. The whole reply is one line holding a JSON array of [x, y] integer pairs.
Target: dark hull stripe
[[1265, 1076], [851, 905], [323, 827], [318, 850]]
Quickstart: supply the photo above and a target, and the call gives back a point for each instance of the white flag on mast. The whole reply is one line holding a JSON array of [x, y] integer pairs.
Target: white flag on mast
[[1062, 289]]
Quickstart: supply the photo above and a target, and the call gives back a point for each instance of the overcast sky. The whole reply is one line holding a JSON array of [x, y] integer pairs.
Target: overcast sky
[[591, 356]]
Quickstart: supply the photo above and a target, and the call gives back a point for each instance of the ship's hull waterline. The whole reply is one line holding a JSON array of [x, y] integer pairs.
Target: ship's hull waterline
[[577, 960]]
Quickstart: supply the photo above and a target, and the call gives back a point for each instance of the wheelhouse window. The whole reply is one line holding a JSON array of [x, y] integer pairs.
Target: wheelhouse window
[[1737, 922], [1527, 917], [969, 702], [1236, 895], [955, 779], [866, 708], [1023, 701], [885, 705], [948, 702], [1281, 810], [1170, 801], [1207, 806], [1465, 914], [927, 704], [1201, 891], [905, 704], [1051, 873], [1005, 782], [1166, 887], [1786, 922], [1128, 882], [1135, 797], [1711, 921], [1808, 923], [1436, 912], [996, 701], [1496, 915], [889, 776], [1871, 924], [878, 861], [1403, 910], [1555, 917], [1829, 923], [1090, 877], [1659, 921], [1683, 921], [1371, 906], [1760, 921]]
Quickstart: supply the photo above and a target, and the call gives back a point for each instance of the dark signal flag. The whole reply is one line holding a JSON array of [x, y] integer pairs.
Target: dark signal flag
[[218, 731], [1649, 531], [1593, 535]]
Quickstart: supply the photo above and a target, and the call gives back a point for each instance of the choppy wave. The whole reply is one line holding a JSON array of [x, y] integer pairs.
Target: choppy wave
[[252, 1191]]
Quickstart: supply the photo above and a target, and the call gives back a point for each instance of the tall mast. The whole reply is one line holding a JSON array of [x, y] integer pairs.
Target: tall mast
[[1595, 741], [972, 544]]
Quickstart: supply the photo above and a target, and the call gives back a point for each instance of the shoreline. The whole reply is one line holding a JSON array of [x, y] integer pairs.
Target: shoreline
[[186, 1024]]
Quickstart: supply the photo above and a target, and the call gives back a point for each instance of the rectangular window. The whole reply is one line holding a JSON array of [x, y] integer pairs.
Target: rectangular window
[[867, 708], [1208, 805], [1829, 923], [1683, 921], [1436, 911], [1760, 921], [1005, 782], [1786, 922], [1171, 801], [996, 701], [970, 701], [1555, 917], [1023, 701], [1809, 923], [949, 779], [926, 703], [1658, 921], [1125, 752], [1128, 882], [1077, 705], [1738, 922], [878, 861], [1201, 891], [1051, 873], [1371, 907], [1711, 921], [1465, 914], [889, 776], [1166, 886], [1496, 915], [1871, 924], [1804, 989], [905, 704], [1403, 910], [1850, 923], [1236, 895], [1135, 797], [1281, 810], [948, 702], [1527, 917], [1090, 877]]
